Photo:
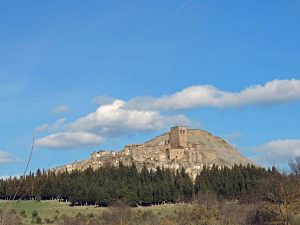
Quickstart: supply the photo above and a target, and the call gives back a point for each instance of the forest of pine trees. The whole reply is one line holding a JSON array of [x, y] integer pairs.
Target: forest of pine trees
[[107, 185]]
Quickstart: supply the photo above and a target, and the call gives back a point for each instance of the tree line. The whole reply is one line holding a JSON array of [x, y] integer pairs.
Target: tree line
[[106, 185]]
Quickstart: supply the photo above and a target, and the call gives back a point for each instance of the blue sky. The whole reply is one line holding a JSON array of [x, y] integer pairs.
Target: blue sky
[[58, 57]]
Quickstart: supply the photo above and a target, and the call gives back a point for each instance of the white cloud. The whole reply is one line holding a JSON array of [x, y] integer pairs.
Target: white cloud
[[274, 92], [41, 128], [277, 151], [61, 109], [142, 114], [108, 120], [58, 124], [6, 157], [51, 127], [114, 119], [68, 140], [103, 100]]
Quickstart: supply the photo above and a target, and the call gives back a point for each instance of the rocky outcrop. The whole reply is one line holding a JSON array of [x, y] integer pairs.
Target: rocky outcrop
[[180, 147]]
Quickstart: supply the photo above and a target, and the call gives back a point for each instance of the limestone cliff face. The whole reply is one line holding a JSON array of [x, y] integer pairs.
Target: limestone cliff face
[[180, 147]]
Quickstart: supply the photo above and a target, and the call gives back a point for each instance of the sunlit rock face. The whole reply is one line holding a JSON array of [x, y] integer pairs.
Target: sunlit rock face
[[180, 147]]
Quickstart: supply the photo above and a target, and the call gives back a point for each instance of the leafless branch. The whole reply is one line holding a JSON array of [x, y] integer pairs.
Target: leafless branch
[[3, 219]]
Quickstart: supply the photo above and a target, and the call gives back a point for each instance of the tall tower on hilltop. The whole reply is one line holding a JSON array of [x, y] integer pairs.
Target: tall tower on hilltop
[[178, 137]]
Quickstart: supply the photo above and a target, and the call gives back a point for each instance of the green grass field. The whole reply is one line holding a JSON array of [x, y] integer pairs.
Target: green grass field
[[50, 209]]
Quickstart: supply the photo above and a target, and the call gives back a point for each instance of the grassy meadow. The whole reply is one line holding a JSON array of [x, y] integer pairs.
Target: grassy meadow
[[53, 212], [51, 209]]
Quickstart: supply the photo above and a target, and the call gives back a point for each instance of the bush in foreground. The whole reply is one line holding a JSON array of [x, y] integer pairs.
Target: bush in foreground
[[9, 217]]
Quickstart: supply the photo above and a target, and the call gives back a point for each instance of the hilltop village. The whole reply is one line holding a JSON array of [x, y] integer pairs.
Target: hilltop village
[[180, 147]]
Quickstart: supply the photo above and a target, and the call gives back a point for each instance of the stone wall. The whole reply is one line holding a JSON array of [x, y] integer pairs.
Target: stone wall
[[176, 154]]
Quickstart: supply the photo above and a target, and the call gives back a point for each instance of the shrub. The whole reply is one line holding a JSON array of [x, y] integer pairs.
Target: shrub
[[38, 220], [65, 220], [9, 218], [202, 215], [47, 220], [79, 215], [120, 214], [146, 218], [34, 214], [13, 211], [90, 215], [266, 214], [55, 218]]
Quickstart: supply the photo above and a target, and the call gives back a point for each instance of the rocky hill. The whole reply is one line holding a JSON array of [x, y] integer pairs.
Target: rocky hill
[[180, 147]]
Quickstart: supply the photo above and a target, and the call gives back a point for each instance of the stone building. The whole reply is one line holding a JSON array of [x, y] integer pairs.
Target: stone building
[[180, 147]]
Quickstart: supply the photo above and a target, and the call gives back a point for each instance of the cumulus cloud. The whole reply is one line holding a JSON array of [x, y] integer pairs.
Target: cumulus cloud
[[57, 125], [277, 151], [274, 92], [6, 157], [114, 119], [68, 140], [108, 120], [61, 109], [143, 114]]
